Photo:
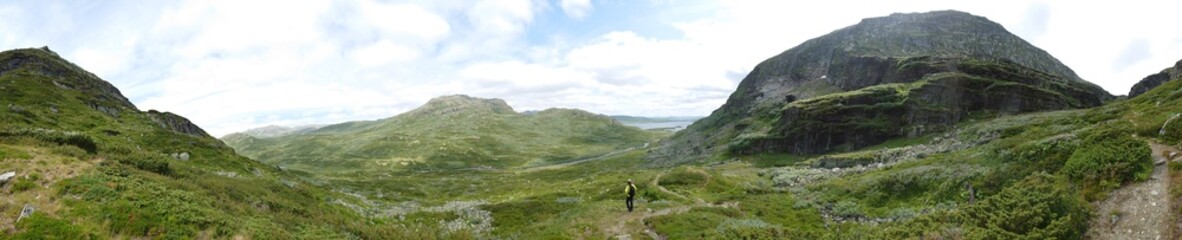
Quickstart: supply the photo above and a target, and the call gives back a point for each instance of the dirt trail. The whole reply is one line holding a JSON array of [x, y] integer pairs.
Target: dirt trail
[[1137, 211], [620, 230]]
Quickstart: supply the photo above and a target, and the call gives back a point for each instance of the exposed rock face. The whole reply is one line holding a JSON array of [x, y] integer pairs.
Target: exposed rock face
[[1152, 81], [900, 75], [176, 123]]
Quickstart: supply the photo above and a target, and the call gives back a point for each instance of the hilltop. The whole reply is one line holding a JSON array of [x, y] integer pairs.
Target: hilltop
[[447, 132], [88, 164], [902, 75]]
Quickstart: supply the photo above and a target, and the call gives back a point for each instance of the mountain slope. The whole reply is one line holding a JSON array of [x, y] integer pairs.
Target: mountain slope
[[92, 165], [900, 75], [1152, 81], [447, 132]]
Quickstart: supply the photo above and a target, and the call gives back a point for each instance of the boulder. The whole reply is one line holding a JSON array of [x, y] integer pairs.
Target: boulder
[[183, 156], [6, 176]]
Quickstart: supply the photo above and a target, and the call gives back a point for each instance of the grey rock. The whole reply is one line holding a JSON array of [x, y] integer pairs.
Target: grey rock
[[176, 123], [6, 176], [182, 156], [26, 212]]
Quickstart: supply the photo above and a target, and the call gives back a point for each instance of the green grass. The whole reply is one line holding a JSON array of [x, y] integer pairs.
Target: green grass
[[448, 133], [95, 174]]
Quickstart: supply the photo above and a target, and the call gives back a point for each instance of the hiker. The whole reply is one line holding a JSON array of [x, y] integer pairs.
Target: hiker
[[630, 189]]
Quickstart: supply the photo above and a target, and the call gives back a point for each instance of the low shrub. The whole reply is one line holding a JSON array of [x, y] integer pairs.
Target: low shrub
[[1110, 154], [77, 139], [1035, 208], [41, 226], [146, 162]]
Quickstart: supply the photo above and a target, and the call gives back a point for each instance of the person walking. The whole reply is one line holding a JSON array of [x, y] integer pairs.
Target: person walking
[[630, 189]]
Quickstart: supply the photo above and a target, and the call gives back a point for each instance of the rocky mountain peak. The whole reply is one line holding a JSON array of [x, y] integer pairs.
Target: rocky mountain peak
[[900, 75]]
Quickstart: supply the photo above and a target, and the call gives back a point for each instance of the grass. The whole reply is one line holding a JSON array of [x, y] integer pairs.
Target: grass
[[455, 134], [1014, 169]]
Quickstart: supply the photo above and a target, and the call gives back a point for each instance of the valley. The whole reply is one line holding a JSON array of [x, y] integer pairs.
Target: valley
[[938, 125]]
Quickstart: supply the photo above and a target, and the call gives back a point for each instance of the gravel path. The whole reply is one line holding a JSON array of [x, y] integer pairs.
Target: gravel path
[[1137, 211]]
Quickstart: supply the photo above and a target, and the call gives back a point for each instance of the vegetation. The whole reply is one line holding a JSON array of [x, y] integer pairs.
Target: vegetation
[[96, 167], [452, 132]]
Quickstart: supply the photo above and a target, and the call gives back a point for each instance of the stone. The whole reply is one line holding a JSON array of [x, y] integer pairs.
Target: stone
[[6, 176], [26, 212], [183, 156]]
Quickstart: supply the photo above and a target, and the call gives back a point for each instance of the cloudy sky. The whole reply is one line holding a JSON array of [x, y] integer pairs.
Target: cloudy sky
[[234, 65]]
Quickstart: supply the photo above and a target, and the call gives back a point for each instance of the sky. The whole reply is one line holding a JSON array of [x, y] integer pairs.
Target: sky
[[234, 65]]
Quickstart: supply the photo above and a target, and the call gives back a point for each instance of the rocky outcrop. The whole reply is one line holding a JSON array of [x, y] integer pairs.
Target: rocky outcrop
[[176, 123], [1152, 81], [825, 94]]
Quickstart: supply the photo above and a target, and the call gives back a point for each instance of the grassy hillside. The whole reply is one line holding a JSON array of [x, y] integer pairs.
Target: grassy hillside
[[94, 166], [450, 132], [1028, 176]]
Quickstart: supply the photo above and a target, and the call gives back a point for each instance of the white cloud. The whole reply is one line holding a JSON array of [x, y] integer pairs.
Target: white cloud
[[383, 52], [231, 65], [394, 20], [576, 9]]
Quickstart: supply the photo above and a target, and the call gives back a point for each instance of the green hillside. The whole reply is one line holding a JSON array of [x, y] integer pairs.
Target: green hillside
[[934, 125], [450, 132], [92, 165]]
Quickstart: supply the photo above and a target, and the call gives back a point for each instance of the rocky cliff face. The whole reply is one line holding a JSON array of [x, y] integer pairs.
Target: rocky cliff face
[[900, 75], [176, 123], [1152, 81]]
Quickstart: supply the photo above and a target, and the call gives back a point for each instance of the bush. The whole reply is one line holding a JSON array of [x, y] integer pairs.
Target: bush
[[1110, 154], [847, 209], [147, 162], [76, 139], [1035, 208], [685, 177], [41, 226]]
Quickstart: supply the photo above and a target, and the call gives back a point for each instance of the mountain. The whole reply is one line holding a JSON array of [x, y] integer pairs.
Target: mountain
[[447, 132], [271, 131], [88, 164], [1152, 81], [886, 77], [636, 119]]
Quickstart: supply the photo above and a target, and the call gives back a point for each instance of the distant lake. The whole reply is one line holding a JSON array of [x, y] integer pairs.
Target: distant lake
[[676, 126]]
